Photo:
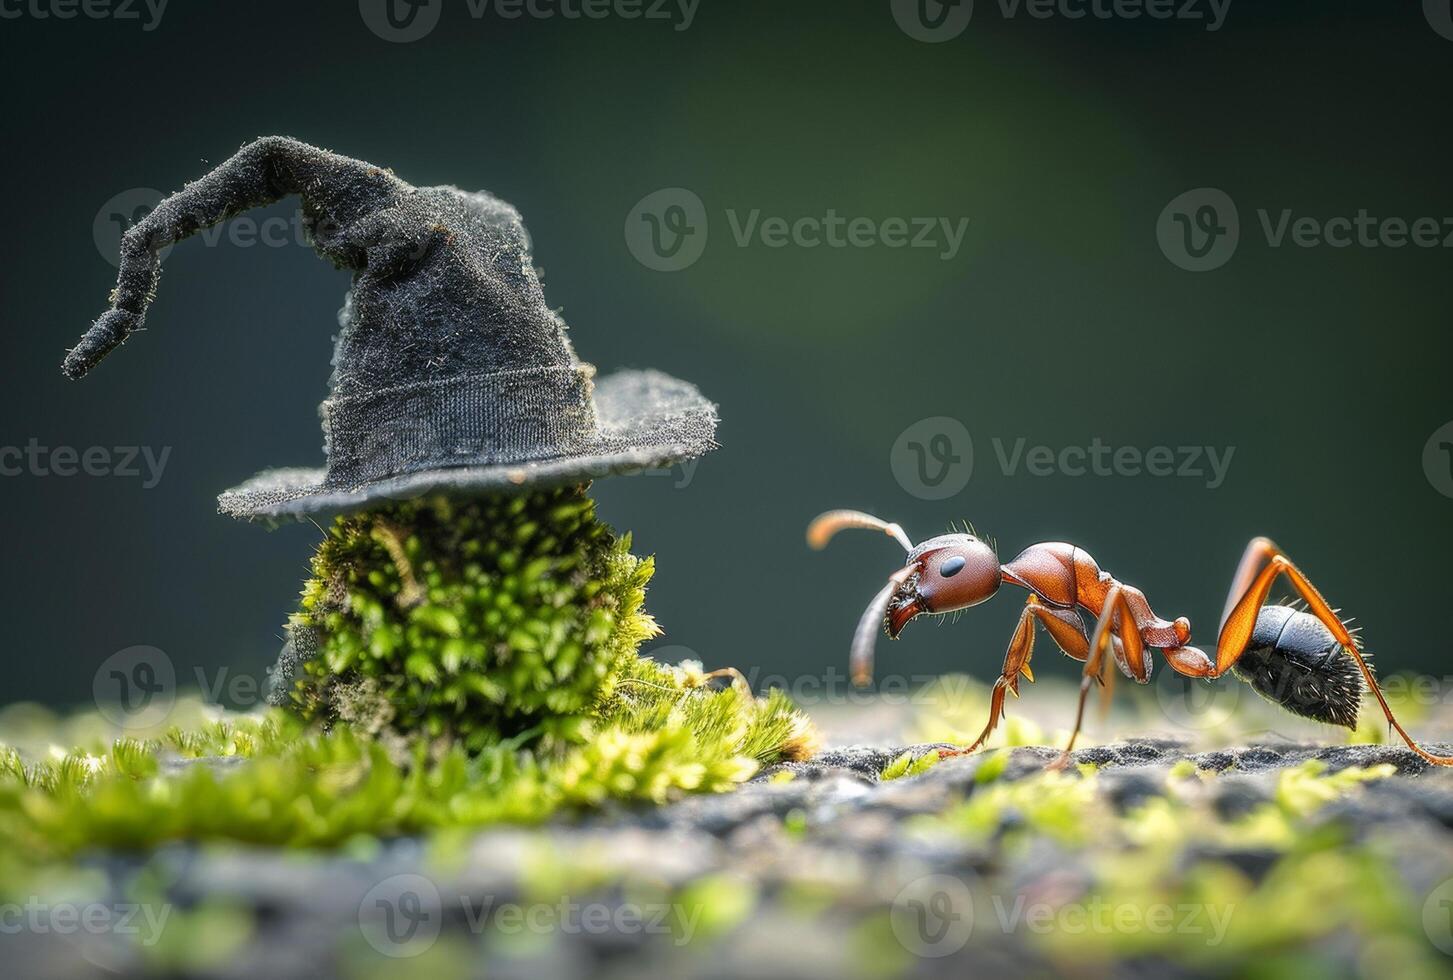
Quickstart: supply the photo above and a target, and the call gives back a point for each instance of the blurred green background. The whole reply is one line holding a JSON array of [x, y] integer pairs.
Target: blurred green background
[[1059, 320]]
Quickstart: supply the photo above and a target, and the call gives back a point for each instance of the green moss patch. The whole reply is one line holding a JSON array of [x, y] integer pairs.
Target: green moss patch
[[472, 663]]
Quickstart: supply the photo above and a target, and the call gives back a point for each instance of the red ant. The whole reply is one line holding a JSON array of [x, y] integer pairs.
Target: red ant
[[1306, 660]]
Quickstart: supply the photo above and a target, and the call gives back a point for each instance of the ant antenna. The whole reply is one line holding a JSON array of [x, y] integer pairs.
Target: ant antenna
[[824, 526]]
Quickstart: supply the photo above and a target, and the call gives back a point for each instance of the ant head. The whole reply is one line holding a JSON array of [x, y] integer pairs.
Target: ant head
[[950, 572], [943, 574]]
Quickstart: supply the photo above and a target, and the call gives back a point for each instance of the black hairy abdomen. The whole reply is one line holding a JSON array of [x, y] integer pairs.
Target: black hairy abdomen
[[1294, 661]]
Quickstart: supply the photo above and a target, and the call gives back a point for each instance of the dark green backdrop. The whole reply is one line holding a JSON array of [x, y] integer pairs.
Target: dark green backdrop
[[1059, 320]]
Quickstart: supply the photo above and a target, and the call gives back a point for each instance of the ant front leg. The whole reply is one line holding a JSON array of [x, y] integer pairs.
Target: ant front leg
[[1250, 588], [1067, 631]]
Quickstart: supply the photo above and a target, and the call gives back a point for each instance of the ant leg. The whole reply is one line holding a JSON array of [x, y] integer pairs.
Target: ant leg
[[1016, 662], [1068, 632], [1241, 620], [824, 526], [1106, 632], [1064, 627], [1258, 552]]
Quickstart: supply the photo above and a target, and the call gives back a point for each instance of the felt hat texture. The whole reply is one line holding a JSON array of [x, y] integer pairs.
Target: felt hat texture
[[451, 374]]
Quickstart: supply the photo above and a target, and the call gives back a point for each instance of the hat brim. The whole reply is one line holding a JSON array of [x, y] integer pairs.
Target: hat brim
[[647, 420]]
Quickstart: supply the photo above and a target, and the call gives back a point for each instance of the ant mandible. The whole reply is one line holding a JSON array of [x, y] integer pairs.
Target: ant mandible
[[1304, 659]]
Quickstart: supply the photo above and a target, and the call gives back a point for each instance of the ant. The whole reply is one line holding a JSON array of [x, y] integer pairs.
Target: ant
[[1303, 658]]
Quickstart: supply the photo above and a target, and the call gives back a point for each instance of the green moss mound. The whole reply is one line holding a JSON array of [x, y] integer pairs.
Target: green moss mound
[[274, 779], [491, 620], [462, 664]]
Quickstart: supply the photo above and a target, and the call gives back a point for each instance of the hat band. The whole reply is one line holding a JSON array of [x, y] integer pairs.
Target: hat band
[[471, 420]]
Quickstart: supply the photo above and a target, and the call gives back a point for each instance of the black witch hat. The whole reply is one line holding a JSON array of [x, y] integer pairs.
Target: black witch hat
[[450, 374]]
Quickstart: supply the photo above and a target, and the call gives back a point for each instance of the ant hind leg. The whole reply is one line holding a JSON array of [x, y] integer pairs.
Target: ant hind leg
[[1249, 593]]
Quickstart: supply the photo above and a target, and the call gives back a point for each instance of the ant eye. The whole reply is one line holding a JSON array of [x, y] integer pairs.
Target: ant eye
[[952, 566]]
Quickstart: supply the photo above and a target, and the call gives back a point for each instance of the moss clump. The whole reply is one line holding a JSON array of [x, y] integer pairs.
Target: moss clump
[[665, 734], [470, 663], [481, 622]]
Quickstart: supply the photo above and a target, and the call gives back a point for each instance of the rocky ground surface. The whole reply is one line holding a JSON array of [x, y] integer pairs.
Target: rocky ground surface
[[978, 865]]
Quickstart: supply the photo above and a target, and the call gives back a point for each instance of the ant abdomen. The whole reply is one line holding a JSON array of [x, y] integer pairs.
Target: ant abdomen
[[1294, 661]]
